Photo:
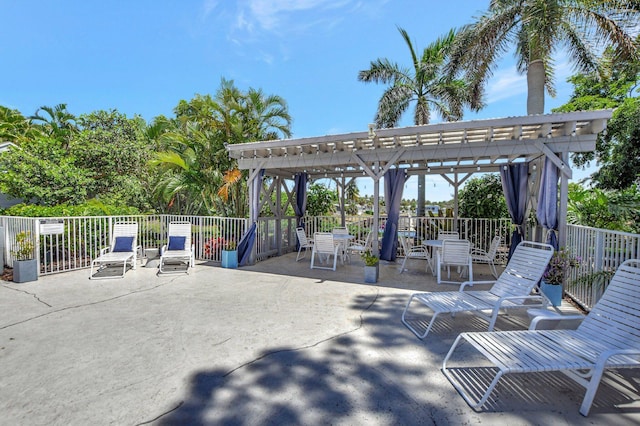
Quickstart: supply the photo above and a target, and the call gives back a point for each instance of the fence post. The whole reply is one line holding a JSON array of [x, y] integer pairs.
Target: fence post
[[599, 252]]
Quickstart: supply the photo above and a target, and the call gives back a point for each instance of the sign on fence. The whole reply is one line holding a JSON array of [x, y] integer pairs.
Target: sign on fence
[[51, 226]]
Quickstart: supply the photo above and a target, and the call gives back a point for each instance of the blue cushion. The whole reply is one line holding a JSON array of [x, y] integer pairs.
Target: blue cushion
[[123, 244], [176, 243]]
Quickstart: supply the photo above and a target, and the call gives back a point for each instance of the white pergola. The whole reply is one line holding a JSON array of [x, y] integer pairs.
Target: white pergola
[[452, 150]]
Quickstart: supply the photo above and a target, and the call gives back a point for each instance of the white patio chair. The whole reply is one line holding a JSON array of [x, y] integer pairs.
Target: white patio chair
[[448, 235], [454, 253], [178, 249], [360, 246], [414, 252], [123, 250], [480, 256], [608, 337], [512, 289], [303, 242], [323, 244]]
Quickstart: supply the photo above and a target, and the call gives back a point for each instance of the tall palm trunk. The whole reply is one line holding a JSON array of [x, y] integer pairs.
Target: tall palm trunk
[[535, 87]]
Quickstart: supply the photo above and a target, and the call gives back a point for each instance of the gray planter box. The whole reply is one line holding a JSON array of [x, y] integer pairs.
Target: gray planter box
[[371, 274], [25, 270]]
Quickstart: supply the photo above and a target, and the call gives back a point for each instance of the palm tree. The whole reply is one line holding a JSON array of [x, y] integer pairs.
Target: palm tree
[[264, 117], [425, 84], [187, 176], [539, 29], [196, 172], [14, 127], [58, 122]]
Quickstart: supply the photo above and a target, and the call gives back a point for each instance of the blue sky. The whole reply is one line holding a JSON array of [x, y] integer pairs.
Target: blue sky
[[144, 56]]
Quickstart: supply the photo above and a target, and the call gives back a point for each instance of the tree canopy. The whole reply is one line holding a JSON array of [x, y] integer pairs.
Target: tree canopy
[[483, 197], [615, 85]]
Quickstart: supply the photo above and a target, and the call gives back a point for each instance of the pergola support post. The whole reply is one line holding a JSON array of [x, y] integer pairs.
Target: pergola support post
[[253, 175], [376, 209], [278, 214], [564, 199]]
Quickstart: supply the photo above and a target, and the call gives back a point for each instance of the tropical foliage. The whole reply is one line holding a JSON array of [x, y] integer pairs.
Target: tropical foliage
[[320, 200], [616, 210], [483, 197], [194, 172], [615, 85], [68, 160], [171, 165]]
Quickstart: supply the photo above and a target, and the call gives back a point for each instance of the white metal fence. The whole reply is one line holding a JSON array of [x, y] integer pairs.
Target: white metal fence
[[69, 243], [479, 231], [601, 251]]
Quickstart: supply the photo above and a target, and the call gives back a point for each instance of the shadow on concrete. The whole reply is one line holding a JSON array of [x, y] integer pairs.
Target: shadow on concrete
[[379, 373], [331, 381]]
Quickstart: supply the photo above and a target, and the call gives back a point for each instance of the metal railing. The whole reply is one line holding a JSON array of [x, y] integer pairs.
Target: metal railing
[[479, 232], [70, 243], [601, 251]]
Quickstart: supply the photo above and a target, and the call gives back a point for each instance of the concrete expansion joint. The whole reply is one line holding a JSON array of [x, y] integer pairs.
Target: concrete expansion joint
[[82, 305], [30, 294]]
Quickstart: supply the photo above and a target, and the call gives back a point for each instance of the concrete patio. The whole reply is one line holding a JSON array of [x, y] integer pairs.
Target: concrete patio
[[275, 343]]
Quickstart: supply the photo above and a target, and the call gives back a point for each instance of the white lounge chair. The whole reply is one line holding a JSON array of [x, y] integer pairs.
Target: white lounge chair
[[123, 250], [178, 248], [512, 290], [303, 242], [323, 244], [608, 337], [480, 256]]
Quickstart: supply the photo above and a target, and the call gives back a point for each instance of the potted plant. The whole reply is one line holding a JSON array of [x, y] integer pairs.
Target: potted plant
[[371, 266], [25, 265], [230, 255], [551, 285]]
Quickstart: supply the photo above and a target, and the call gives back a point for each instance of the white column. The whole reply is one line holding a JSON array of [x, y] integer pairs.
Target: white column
[[564, 200]]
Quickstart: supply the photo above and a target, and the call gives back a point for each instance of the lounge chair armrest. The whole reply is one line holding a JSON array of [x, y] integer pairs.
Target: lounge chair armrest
[[604, 356], [523, 298], [163, 249], [472, 283], [104, 250], [553, 317]]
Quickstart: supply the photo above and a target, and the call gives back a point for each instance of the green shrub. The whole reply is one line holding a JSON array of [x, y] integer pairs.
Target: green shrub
[[90, 208]]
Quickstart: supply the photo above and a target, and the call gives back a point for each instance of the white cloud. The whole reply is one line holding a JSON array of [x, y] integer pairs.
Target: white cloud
[[506, 83], [208, 6], [272, 14]]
